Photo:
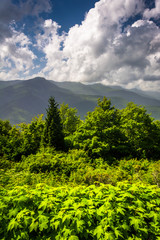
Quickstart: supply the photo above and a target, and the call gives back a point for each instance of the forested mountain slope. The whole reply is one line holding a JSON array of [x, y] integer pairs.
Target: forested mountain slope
[[22, 100]]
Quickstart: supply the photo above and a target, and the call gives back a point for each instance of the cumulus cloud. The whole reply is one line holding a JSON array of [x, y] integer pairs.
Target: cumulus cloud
[[84, 45], [118, 43], [102, 50], [8, 12], [15, 12], [15, 56], [154, 12], [152, 78], [50, 42]]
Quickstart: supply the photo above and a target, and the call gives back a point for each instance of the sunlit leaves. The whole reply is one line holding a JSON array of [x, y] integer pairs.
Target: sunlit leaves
[[136, 222], [69, 119], [104, 212], [43, 222], [13, 224], [33, 226], [100, 134], [140, 130]]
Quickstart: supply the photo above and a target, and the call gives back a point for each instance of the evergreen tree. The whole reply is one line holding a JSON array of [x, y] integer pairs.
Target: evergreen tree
[[53, 131]]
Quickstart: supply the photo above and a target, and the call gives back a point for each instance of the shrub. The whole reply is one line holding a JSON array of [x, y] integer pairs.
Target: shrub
[[105, 212]]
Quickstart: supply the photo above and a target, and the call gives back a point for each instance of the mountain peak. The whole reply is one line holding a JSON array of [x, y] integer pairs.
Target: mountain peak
[[37, 79]]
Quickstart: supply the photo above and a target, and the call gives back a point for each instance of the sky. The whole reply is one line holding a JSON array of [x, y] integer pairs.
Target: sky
[[114, 42]]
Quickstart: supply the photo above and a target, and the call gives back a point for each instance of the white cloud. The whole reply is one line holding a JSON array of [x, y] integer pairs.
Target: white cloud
[[154, 12], [15, 56], [50, 42], [88, 46], [110, 46], [99, 51]]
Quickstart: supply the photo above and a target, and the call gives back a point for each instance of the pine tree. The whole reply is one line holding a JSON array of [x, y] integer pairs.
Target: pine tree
[[53, 131]]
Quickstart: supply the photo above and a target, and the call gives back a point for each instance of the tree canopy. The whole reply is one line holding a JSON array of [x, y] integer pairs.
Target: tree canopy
[[69, 119], [106, 133], [53, 130]]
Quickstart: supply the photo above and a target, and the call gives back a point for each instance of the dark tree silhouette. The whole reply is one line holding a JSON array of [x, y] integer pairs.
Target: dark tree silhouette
[[53, 131]]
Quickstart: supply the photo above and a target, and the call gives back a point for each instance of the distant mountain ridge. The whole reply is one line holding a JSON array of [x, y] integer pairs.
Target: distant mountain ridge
[[99, 89], [20, 100]]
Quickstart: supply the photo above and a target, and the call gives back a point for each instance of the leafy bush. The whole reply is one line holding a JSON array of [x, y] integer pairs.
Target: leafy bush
[[75, 167], [4, 163], [106, 212]]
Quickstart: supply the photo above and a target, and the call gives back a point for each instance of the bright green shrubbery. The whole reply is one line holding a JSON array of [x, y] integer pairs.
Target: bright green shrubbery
[[127, 211], [75, 167], [42, 163], [49, 160]]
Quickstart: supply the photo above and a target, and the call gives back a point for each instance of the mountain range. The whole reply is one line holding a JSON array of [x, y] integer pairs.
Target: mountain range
[[20, 100]]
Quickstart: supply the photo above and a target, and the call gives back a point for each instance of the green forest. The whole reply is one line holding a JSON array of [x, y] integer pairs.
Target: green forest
[[63, 178]]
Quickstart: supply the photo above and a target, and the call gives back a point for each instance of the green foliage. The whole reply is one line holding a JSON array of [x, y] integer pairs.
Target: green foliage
[[100, 135], [32, 135], [69, 119], [105, 212], [106, 133], [10, 141], [112, 134], [24, 139], [75, 167], [140, 131], [53, 131], [48, 166], [5, 128], [58, 163], [126, 207]]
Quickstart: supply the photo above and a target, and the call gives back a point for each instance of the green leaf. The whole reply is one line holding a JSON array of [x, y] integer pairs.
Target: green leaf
[[99, 232], [43, 222], [135, 222], [80, 224], [27, 220], [79, 213], [125, 226], [100, 211], [118, 233], [73, 238], [109, 236], [154, 215], [13, 212], [67, 232], [43, 205], [143, 230], [121, 210], [33, 226], [66, 218], [56, 224], [13, 224]]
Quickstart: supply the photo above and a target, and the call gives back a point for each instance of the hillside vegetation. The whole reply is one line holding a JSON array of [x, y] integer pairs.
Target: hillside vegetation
[[64, 178], [21, 100]]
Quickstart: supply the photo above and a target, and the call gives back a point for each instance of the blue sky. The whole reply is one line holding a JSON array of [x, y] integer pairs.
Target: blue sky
[[111, 42]]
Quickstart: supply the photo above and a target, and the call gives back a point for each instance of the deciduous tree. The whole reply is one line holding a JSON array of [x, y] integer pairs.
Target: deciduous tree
[[69, 119], [100, 134]]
